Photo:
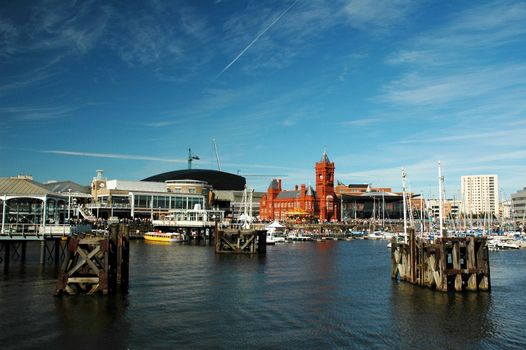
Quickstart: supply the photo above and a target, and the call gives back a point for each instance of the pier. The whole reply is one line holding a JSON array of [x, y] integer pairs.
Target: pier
[[445, 264], [241, 242], [96, 263]]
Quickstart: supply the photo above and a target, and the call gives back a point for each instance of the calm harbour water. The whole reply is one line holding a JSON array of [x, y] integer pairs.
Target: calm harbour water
[[303, 295]]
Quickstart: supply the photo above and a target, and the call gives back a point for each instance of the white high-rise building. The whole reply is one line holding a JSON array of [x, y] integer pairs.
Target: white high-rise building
[[480, 194]]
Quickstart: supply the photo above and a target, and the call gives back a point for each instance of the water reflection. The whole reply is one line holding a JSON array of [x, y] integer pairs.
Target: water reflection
[[426, 318], [305, 295], [90, 321]]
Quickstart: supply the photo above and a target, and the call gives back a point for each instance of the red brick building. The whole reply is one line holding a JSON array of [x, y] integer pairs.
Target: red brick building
[[303, 202]]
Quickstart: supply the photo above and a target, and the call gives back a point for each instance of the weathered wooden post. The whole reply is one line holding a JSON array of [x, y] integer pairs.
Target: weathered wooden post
[[412, 255], [123, 263], [96, 264], [262, 241]]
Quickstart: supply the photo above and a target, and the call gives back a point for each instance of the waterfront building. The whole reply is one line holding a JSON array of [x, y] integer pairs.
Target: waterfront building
[[303, 203], [518, 205], [124, 198], [29, 207], [357, 189], [480, 194], [376, 205], [505, 210], [278, 204]]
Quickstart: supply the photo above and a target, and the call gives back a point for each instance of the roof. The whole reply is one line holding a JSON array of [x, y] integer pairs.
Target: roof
[[378, 194], [288, 194], [295, 194], [219, 180], [22, 187], [358, 185], [325, 157], [136, 186], [64, 186]]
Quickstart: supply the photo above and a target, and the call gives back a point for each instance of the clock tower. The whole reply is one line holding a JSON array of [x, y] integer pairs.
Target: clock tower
[[325, 188], [98, 184]]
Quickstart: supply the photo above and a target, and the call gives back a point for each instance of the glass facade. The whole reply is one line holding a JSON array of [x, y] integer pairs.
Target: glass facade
[[143, 201]]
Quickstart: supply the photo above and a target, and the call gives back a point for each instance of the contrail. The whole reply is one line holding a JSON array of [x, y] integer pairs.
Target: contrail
[[113, 156], [148, 158], [256, 38]]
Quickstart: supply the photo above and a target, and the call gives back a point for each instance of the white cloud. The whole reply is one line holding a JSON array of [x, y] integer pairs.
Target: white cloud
[[361, 122], [445, 87], [35, 113], [377, 14]]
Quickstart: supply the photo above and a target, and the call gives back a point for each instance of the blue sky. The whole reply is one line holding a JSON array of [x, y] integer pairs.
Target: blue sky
[[129, 87]]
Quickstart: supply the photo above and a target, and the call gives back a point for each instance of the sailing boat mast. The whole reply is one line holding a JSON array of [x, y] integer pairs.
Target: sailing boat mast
[[440, 215], [404, 204], [421, 215]]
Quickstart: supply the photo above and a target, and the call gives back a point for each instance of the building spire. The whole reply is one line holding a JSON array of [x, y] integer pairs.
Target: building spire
[[324, 156]]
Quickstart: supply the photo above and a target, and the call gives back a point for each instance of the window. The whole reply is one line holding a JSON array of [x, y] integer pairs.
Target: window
[[142, 201]]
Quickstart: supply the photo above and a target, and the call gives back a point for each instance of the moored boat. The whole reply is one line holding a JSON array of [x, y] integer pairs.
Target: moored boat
[[157, 236]]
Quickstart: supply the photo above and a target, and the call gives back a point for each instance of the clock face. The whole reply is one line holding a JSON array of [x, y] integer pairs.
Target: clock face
[[101, 185]]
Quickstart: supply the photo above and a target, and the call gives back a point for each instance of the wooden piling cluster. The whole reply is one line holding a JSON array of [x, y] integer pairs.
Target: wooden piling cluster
[[449, 263], [96, 263], [241, 242]]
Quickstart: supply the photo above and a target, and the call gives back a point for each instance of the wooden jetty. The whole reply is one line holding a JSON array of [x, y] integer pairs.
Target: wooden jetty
[[96, 263], [447, 263], [241, 242]]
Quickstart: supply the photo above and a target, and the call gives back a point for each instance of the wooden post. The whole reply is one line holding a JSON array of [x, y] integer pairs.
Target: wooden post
[[262, 241], [471, 264], [119, 254], [412, 255], [125, 259], [442, 264], [456, 266]]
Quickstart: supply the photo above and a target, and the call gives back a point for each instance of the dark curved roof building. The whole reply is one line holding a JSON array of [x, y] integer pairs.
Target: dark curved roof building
[[219, 180]]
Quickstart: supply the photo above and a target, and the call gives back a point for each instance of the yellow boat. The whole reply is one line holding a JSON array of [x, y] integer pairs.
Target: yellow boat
[[157, 236]]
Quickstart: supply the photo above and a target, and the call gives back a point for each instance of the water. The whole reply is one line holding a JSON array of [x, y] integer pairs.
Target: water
[[304, 295]]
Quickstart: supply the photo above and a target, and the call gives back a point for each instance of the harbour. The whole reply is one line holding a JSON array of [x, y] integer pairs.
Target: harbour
[[310, 294], [263, 175]]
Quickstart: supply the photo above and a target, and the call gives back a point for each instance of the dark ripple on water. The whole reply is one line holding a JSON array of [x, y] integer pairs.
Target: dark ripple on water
[[305, 295]]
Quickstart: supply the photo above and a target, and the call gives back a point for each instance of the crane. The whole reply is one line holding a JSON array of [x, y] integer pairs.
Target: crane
[[191, 158], [217, 156]]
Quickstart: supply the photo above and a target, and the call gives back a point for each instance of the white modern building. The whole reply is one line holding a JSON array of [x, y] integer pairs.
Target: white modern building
[[152, 200], [518, 205], [480, 194]]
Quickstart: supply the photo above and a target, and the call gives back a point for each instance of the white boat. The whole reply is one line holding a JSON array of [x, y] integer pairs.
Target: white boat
[[272, 239], [507, 245], [502, 244], [272, 229]]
